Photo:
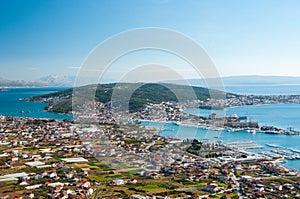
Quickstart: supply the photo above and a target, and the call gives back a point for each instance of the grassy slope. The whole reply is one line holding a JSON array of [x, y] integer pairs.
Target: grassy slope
[[145, 93]]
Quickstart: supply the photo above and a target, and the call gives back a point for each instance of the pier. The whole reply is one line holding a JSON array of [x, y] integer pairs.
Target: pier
[[243, 145]]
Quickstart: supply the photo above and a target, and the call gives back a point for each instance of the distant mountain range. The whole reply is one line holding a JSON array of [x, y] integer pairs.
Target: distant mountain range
[[47, 81], [233, 80], [247, 80], [68, 81]]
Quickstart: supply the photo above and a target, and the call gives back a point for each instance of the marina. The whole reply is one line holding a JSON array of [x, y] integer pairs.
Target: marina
[[258, 143], [295, 150], [243, 145], [281, 154]]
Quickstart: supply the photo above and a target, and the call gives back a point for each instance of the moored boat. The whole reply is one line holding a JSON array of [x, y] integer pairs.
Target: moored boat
[[273, 145]]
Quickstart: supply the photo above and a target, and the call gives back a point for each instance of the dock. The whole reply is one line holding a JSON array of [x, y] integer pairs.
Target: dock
[[243, 145]]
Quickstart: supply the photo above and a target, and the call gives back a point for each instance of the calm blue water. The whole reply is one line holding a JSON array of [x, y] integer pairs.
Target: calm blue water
[[264, 89], [279, 115], [11, 105], [184, 132]]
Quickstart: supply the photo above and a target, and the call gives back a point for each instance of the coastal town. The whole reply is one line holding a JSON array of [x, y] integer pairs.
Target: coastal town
[[107, 153], [46, 158], [249, 100], [149, 99]]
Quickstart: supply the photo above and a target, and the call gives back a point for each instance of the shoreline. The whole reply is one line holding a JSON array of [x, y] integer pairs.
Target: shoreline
[[283, 164], [205, 126], [225, 128]]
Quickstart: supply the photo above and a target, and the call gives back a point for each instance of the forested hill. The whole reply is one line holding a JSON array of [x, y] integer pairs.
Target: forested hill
[[61, 102]]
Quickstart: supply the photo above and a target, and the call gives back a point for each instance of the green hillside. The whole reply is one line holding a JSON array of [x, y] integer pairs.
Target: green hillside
[[61, 102]]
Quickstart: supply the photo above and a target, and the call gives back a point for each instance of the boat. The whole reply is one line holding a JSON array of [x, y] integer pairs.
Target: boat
[[273, 145], [218, 128], [253, 131], [295, 150], [28, 111], [235, 129], [290, 157], [271, 132]]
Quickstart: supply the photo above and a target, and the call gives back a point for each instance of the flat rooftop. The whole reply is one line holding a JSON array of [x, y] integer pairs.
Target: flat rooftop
[[35, 163], [74, 160]]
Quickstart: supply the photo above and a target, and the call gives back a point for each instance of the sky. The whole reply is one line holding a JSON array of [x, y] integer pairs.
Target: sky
[[250, 37]]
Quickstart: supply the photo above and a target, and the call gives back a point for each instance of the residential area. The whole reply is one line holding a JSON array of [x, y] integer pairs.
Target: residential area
[[46, 158]]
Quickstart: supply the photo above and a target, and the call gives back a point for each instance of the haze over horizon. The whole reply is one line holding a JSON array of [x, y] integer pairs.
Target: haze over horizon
[[69, 81], [40, 38]]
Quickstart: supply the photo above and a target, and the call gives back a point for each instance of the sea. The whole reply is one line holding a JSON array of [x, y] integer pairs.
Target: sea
[[11, 103], [279, 115]]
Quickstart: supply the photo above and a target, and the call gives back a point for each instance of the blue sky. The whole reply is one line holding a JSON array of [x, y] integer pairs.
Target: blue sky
[[251, 37]]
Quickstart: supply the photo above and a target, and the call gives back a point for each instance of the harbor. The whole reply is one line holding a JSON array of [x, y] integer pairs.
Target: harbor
[[240, 139], [243, 145], [282, 152]]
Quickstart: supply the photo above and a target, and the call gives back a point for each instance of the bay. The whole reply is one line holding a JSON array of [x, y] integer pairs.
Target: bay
[[12, 105], [188, 132], [278, 115]]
